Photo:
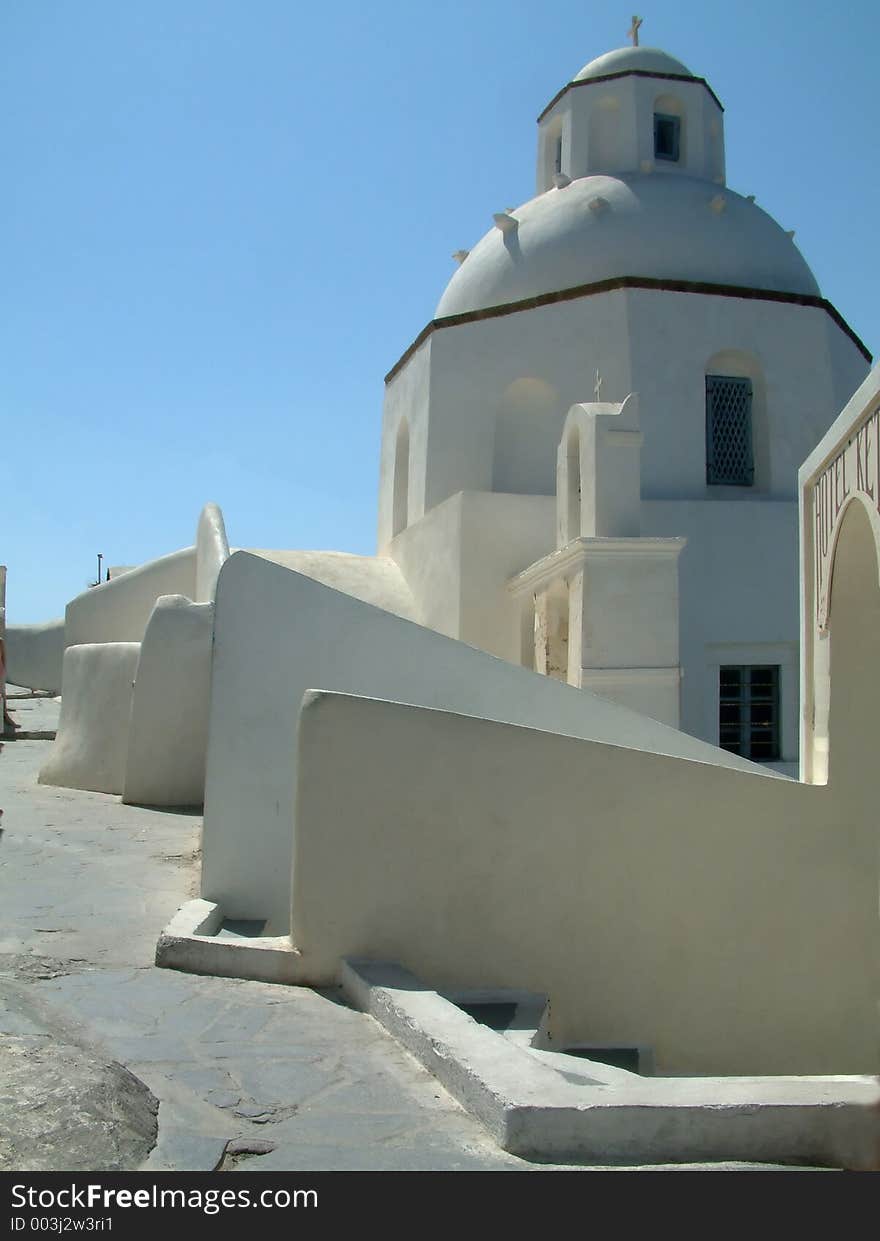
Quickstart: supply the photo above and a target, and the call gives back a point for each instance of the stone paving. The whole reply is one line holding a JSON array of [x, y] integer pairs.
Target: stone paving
[[248, 1075]]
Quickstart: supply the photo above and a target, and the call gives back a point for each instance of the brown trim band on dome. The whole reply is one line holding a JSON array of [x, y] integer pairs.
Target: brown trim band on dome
[[629, 282], [629, 73]]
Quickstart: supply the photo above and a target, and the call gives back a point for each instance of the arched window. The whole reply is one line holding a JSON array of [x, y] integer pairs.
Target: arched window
[[400, 511]]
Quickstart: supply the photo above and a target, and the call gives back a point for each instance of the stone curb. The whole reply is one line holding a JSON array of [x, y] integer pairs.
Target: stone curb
[[532, 1111]]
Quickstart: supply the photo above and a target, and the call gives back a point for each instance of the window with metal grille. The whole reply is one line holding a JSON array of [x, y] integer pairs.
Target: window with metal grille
[[729, 459], [748, 713], [667, 136]]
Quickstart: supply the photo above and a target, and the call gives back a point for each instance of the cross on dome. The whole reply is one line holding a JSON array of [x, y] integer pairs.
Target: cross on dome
[[633, 32]]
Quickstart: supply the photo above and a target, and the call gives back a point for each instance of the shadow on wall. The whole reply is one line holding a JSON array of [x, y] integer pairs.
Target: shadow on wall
[[854, 628]]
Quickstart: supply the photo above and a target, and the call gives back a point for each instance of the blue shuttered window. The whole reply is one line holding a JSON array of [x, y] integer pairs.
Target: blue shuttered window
[[729, 458]]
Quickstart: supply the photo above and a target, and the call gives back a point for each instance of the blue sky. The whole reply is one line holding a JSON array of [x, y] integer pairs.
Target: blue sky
[[224, 221]]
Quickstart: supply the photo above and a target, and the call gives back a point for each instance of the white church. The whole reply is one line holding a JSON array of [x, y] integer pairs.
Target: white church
[[589, 470], [647, 553]]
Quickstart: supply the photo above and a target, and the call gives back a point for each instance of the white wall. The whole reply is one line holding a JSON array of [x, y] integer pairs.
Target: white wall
[[673, 338], [501, 389], [851, 439], [212, 549], [277, 634], [375, 579], [501, 535], [725, 919], [406, 395], [91, 745], [118, 610], [738, 600], [168, 733], [459, 557], [483, 382], [584, 110], [34, 654], [428, 554]]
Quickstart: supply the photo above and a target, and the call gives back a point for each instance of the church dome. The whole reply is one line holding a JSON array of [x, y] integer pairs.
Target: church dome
[[632, 60], [656, 226]]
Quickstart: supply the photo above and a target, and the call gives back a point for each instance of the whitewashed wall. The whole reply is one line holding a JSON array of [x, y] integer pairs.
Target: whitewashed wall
[[738, 601], [726, 919], [492, 399], [840, 475], [458, 560], [118, 610], [34, 655], [91, 747], [212, 549], [278, 634], [168, 733]]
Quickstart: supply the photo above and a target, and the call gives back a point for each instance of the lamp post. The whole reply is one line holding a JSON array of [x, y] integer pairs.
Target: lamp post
[[100, 558]]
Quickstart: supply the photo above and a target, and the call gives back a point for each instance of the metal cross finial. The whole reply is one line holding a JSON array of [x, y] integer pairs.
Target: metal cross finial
[[598, 387], [633, 32]]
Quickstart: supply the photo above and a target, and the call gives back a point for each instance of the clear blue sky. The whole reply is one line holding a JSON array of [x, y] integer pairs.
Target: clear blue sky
[[224, 221]]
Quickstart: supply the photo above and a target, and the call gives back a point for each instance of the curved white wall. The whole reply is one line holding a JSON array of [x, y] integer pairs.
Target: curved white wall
[[118, 610], [90, 749], [34, 655], [212, 549], [168, 734]]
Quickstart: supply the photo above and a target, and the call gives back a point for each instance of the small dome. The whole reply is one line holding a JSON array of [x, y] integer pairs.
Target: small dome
[[627, 59], [656, 226]]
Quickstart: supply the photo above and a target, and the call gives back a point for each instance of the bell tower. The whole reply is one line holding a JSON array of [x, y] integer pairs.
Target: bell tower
[[633, 110]]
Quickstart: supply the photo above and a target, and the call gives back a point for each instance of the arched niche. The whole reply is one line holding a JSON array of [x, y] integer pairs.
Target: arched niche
[[853, 690], [604, 153], [400, 504], [670, 105], [528, 423], [737, 363]]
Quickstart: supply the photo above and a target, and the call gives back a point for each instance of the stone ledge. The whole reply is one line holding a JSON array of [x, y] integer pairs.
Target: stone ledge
[[190, 942], [532, 1111]]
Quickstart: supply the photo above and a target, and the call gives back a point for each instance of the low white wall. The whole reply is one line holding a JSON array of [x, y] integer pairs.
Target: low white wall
[[212, 549], [726, 919], [278, 633], [118, 610], [89, 751], [168, 734], [34, 654]]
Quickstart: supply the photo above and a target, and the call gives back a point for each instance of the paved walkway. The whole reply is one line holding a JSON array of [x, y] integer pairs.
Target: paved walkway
[[247, 1075], [238, 1067]]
